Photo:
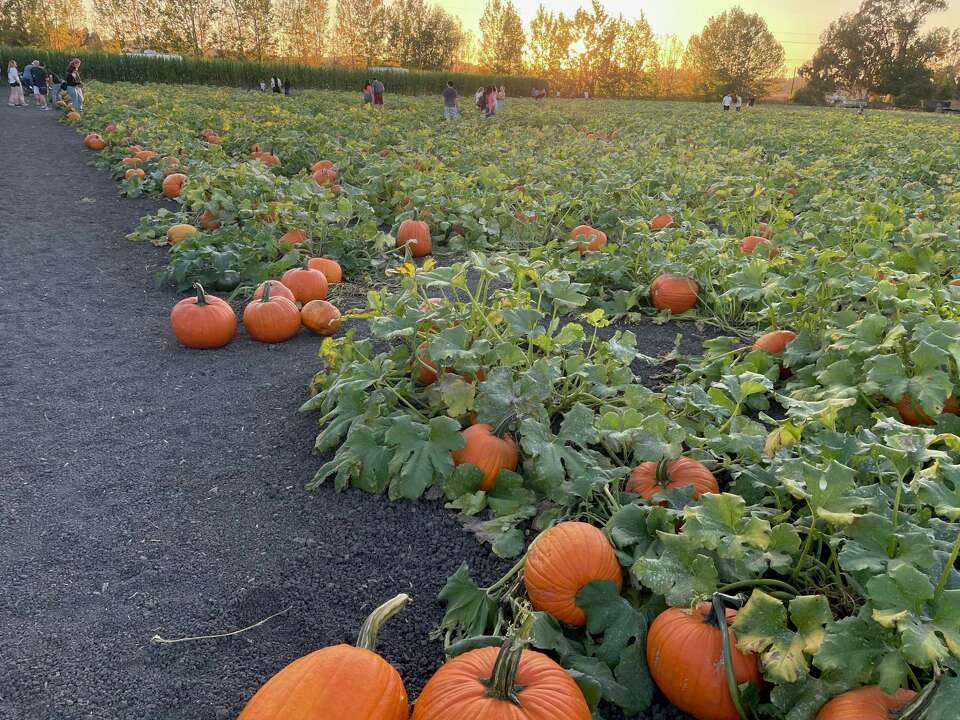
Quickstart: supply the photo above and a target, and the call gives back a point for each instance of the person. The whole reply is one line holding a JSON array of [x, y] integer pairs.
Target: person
[[16, 88], [586, 94], [752, 101], [39, 79], [28, 74], [727, 101], [501, 97], [558, 94], [263, 86], [479, 100], [491, 100], [739, 103], [286, 87], [378, 90], [74, 85], [54, 85], [275, 84], [451, 105], [367, 92]]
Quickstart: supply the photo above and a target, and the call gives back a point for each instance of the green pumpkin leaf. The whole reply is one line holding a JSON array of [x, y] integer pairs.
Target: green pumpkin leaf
[[421, 454], [681, 573], [469, 609]]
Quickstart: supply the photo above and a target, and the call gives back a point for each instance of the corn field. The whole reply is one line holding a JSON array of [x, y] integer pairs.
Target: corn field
[[141, 69]]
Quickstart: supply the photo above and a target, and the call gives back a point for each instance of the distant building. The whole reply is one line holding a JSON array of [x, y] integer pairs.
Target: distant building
[[387, 69], [151, 54]]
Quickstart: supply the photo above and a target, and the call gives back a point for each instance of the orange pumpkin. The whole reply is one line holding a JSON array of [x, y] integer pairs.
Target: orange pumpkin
[[172, 184], [912, 414], [676, 293], [110, 128], [775, 343], [385, 152], [488, 451], [179, 232], [294, 237], [661, 221], [145, 155], [94, 142], [509, 683], [266, 158], [342, 681], [277, 289], [415, 234], [272, 318], [525, 217], [865, 703], [752, 242], [209, 221], [685, 657], [306, 284], [321, 317], [325, 176], [131, 172], [212, 138], [597, 238], [129, 161], [765, 230], [424, 369], [204, 321], [561, 561], [73, 116], [322, 165], [330, 268], [255, 148], [649, 478]]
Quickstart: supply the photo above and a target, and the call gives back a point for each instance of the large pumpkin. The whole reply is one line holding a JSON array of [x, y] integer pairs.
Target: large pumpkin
[[865, 703], [180, 232], [596, 238], [306, 284], [204, 321], [489, 451], [509, 683], [415, 234], [321, 317], [94, 142], [685, 657], [330, 268], [676, 293], [321, 165], [912, 414], [342, 681], [752, 242], [271, 319], [561, 561], [661, 221], [172, 185], [649, 478]]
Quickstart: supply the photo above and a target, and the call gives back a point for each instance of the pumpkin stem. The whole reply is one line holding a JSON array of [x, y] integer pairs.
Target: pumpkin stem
[[376, 620], [663, 474], [501, 685], [917, 708], [266, 291], [201, 295], [501, 427], [720, 603]]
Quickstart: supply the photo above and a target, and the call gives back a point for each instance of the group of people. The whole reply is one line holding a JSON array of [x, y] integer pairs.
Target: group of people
[[372, 93], [489, 100], [37, 80], [736, 102], [276, 85]]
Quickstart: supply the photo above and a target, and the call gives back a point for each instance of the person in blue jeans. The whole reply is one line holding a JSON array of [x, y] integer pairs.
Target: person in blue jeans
[[74, 85]]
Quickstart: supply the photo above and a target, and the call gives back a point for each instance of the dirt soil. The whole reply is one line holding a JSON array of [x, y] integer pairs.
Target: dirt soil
[[146, 489]]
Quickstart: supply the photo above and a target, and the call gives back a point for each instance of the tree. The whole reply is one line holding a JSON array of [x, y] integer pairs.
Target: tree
[[551, 39], [735, 52], [422, 36], [129, 23], [670, 75], [636, 54], [501, 38], [361, 31], [305, 26], [186, 25]]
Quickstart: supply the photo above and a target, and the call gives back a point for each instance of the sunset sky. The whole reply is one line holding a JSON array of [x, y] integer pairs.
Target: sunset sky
[[797, 25]]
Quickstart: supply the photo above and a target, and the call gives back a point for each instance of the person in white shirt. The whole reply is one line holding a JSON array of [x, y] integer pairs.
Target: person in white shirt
[[16, 88], [727, 101]]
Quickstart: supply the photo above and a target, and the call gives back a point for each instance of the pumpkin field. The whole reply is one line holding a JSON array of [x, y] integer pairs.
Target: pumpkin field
[[690, 377]]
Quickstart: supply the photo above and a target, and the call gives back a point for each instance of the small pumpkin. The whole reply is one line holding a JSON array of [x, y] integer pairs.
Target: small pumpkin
[[306, 284], [765, 230], [525, 217], [204, 321], [73, 116], [172, 185], [209, 221], [145, 155], [415, 234], [95, 142], [111, 128], [180, 232], [134, 172], [676, 293], [341, 681], [661, 221], [685, 658], [865, 703], [596, 238], [321, 165], [509, 683], [775, 343], [752, 242], [321, 317], [266, 158], [912, 414], [424, 369], [330, 268], [212, 138], [277, 289], [294, 236], [561, 561], [488, 449], [325, 176], [128, 161], [272, 318], [649, 478]]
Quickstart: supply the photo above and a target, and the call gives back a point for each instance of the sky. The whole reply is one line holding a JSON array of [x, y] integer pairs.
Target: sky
[[797, 24]]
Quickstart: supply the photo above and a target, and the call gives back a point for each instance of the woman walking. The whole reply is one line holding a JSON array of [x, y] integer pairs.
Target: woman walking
[[501, 97], [491, 100], [16, 88], [74, 85], [367, 92]]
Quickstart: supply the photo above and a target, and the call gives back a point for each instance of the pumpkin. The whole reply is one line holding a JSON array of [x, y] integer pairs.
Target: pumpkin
[[336, 189], [561, 561], [955, 282], [509, 683], [525, 217], [130, 161], [912, 414], [424, 369], [775, 343], [385, 152], [255, 148], [649, 478], [277, 289], [306, 284], [73, 116], [271, 319], [685, 657], [489, 450], [204, 321], [330, 268], [321, 317], [179, 232], [765, 230], [661, 221], [170, 164], [865, 703], [145, 155], [110, 128], [341, 681], [752, 242], [322, 165], [597, 238], [676, 293], [131, 172], [294, 236], [172, 184], [414, 234], [94, 142], [266, 158], [212, 138], [325, 176], [209, 221]]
